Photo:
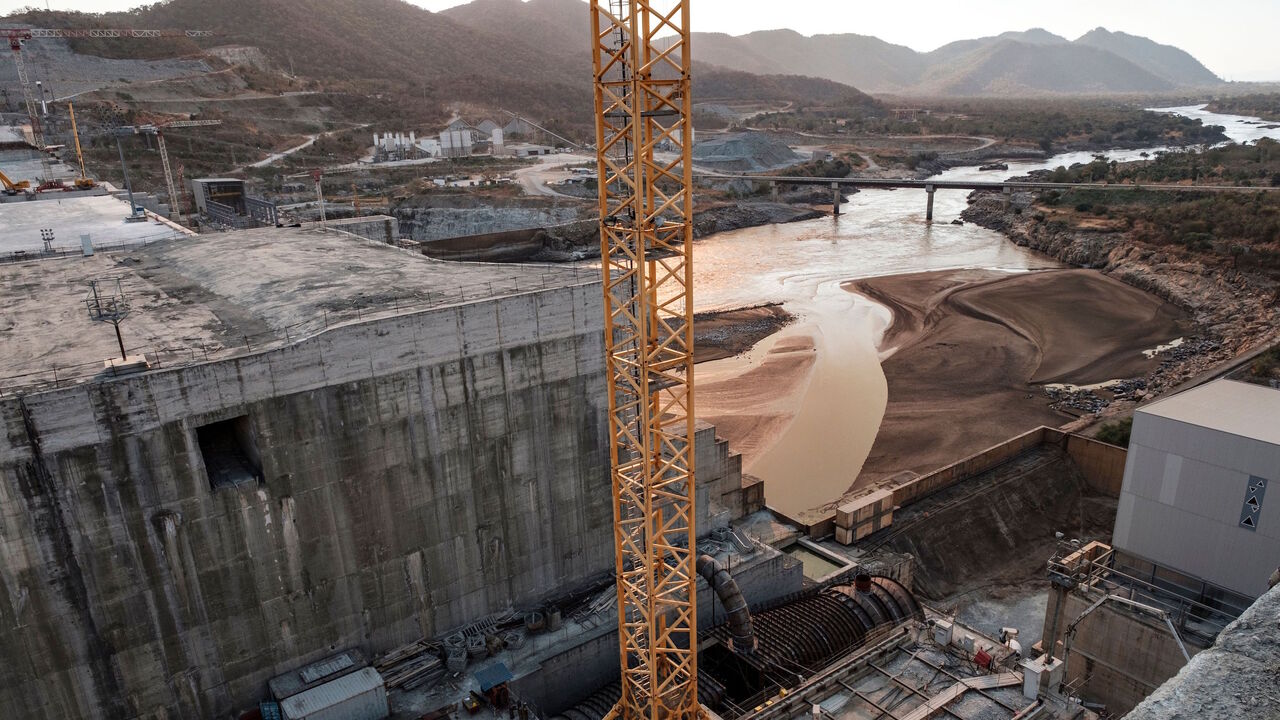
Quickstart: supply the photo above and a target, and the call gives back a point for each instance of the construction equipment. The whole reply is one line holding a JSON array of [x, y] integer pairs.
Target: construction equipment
[[83, 182], [646, 237], [11, 187], [175, 203], [18, 36], [561, 138]]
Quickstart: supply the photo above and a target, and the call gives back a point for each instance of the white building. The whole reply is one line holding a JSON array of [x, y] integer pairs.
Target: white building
[[1195, 498], [527, 150], [457, 143]]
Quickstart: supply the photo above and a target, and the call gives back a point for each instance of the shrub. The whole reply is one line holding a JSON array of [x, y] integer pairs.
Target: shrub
[[1116, 432]]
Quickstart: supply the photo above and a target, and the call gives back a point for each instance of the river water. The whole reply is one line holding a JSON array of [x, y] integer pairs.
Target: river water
[[837, 409]]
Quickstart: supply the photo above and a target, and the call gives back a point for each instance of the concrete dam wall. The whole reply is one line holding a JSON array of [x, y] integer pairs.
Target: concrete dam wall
[[170, 540]]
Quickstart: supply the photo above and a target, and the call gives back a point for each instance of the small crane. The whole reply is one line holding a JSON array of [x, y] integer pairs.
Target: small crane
[[18, 36], [83, 182], [175, 201]]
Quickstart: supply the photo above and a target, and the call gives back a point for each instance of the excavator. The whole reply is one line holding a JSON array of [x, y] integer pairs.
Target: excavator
[[13, 188]]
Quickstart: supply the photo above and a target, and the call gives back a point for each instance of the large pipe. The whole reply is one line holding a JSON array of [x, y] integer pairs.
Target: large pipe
[[740, 627]]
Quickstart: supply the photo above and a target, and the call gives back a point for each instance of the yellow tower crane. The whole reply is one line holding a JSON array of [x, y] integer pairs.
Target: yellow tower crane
[[642, 104]]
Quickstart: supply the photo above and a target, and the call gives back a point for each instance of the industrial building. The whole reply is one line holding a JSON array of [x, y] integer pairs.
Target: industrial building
[[1192, 549], [1195, 490]]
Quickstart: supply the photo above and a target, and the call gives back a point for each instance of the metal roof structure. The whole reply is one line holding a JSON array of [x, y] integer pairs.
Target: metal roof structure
[[342, 690], [1236, 408], [492, 676]]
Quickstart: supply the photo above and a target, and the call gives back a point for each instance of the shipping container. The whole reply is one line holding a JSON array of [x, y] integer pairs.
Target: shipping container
[[358, 696]]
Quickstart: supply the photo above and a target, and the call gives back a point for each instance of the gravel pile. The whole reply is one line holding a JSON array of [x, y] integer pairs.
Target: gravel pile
[[744, 152]]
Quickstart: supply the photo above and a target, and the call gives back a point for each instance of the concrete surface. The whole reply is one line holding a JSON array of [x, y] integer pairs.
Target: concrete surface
[[101, 217], [1236, 678], [417, 472], [404, 472], [219, 294]]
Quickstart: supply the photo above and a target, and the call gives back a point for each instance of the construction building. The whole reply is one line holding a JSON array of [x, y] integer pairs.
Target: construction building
[[1192, 549], [224, 203], [1194, 499]]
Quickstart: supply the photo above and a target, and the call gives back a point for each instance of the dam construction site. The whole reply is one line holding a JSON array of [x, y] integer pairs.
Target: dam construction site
[[762, 426]]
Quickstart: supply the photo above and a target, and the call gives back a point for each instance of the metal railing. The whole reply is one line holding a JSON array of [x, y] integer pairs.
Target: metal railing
[[17, 256], [162, 356], [1092, 568]]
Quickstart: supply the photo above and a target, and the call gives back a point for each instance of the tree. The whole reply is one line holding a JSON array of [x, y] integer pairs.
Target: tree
[[1116, 432]]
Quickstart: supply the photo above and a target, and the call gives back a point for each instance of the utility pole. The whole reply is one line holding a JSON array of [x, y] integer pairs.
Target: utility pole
[[134, 216], [317, 175]]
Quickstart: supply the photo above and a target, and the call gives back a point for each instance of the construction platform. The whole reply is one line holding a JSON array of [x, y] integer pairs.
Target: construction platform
[[198, 298], [921, 672], [66, 217]]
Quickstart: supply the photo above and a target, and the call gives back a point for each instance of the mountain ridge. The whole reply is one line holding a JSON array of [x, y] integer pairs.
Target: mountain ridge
[[1100, 61]]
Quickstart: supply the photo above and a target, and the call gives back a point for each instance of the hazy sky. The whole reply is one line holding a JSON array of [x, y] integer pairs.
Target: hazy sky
[[1234, 38]]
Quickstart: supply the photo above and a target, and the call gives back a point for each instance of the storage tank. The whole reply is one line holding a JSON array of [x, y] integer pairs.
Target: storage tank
[[358, 696]]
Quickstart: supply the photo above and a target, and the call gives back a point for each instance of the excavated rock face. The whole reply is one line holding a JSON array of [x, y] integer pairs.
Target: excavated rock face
[[1238, 677]]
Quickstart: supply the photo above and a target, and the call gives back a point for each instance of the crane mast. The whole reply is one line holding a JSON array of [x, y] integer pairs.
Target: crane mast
[[643, 154], [175, 201]]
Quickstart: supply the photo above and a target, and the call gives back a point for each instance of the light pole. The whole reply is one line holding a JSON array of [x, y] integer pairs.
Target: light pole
[[133, 209]]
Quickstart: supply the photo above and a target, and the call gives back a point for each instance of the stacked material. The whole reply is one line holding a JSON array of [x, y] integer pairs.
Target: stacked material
[[864, 515]]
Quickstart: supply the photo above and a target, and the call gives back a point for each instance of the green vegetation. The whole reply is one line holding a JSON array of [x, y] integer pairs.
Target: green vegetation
[[1248, 165], [1241, 230], [1265, 369], [837, 166], [1265, 106], [1116, 432], [1045, 123]]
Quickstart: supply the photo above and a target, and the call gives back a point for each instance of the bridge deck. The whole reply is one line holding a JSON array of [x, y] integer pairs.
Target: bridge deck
[[926, 184]]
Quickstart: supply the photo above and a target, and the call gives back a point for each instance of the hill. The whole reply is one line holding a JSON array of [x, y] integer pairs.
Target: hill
[[1173, 64], [1011, 68], [1029, 62], [531, 57], [561, 27]]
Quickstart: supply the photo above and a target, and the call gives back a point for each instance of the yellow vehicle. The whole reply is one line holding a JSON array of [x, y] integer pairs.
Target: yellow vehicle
[[11, 187], [84, 182]]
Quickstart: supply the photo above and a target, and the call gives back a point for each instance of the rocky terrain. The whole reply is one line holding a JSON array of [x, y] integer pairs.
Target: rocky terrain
[[1236, 311]]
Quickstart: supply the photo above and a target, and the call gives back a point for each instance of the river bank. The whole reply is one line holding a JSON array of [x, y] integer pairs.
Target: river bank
[[1235, 311], [727, 333], [969, 351]]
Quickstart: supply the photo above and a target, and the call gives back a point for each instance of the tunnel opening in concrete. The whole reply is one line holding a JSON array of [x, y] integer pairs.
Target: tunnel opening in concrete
[[230, 452]]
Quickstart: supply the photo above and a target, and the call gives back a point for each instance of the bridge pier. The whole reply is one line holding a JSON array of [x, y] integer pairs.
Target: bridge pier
[[835, 198], [1007, 195], [773, 190], [928, 212]]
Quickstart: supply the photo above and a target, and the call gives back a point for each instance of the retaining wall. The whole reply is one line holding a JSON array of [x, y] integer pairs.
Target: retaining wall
[[1101, 464], [414, 474]]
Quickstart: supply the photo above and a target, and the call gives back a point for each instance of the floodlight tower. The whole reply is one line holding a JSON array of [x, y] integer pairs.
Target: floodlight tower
[[108, 304]]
